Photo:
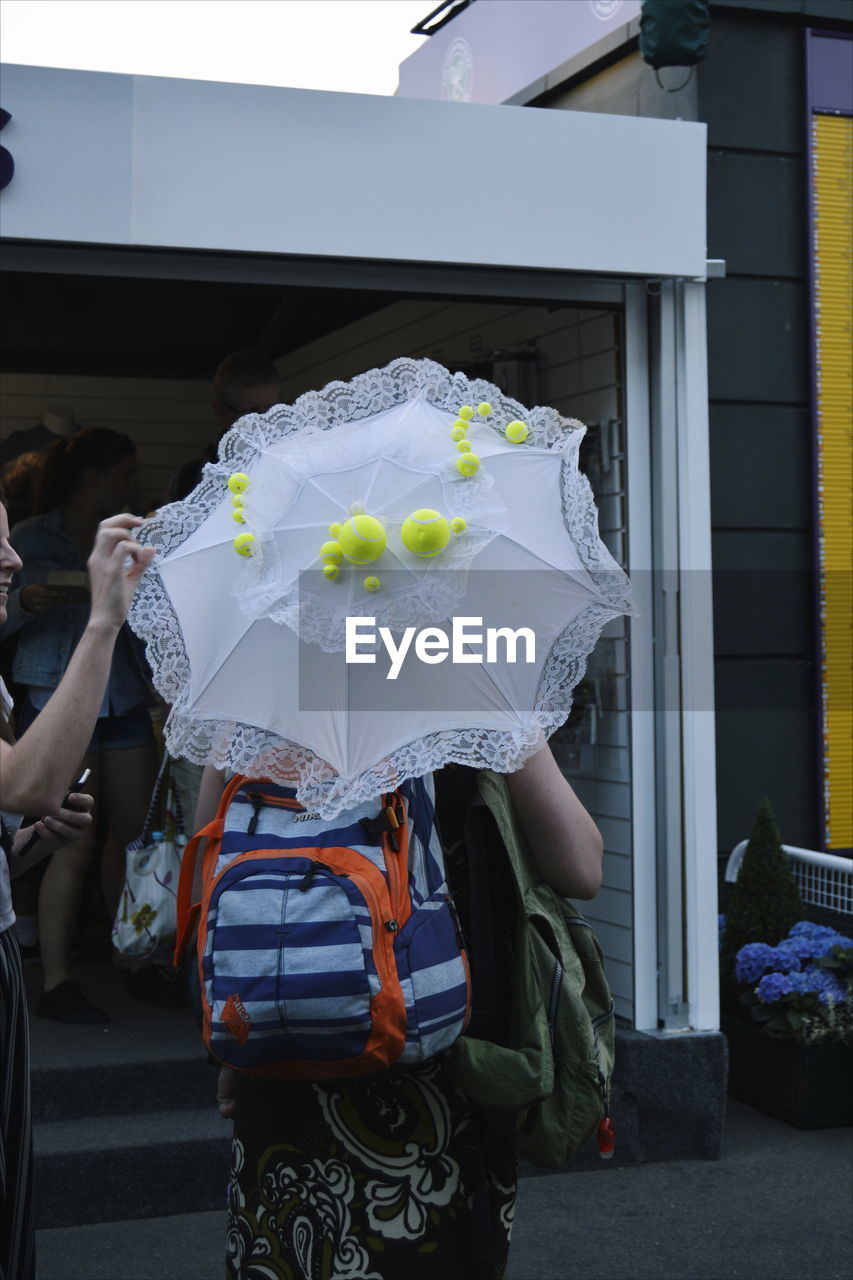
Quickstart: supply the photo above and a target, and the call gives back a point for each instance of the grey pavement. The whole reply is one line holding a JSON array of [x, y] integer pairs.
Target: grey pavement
[[778, 1206]]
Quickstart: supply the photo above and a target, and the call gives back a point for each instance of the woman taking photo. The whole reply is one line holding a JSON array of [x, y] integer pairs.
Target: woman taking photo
[[85, 478], [35, 775]]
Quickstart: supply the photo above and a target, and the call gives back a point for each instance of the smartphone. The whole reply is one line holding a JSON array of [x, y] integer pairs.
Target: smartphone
[[75, 786]]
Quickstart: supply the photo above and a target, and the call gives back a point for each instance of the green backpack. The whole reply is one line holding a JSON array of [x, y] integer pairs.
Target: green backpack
[[541, 1039]]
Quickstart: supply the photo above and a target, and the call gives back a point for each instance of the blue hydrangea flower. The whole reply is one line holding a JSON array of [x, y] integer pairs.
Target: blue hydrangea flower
[[822, 982], [819, 982], [773, 986], [753, 960], [810, 929], [825, 945], [801, 947]]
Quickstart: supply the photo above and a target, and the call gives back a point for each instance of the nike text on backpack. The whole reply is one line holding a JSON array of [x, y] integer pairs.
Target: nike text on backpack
[[323, 951]]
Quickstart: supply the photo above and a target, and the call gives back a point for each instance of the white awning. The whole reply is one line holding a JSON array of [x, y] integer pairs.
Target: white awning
[[181, 164]]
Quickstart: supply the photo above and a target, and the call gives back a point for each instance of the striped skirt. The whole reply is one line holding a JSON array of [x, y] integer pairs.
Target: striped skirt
[[17, 1244], [389, 1176]]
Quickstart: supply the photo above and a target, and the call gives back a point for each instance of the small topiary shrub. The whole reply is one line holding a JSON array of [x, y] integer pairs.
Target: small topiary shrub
[[764, 902]]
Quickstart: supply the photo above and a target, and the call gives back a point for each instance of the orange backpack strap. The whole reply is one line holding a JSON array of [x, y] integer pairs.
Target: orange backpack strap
[[187, 910]]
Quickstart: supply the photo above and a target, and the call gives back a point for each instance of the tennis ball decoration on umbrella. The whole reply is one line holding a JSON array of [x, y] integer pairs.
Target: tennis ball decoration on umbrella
[[359, 540], [244, 544], [468, 463], [331, 553], [362, 539], [238, 483], [426, 532]]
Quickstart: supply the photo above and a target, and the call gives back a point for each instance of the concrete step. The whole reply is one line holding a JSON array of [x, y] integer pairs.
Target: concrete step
[[109, 1168], [70, 1093], [125, 1120]]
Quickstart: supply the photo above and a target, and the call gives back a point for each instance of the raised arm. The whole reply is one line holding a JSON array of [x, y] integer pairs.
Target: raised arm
[[565, 841], [36, 771]]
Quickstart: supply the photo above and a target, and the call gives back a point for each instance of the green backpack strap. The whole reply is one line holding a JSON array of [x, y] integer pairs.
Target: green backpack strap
[[505, 1063], [550, 1062]]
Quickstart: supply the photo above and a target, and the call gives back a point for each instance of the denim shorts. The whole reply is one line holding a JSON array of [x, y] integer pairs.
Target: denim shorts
[[112, 733]]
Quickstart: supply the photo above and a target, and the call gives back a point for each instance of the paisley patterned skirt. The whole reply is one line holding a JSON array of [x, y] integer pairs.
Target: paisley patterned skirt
[[391, 1177]]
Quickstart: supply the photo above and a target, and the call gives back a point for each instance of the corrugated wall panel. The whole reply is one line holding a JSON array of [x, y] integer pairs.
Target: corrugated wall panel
[[832, 213]]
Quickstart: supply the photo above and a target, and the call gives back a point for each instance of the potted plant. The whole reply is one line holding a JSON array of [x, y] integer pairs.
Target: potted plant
[[787, 988]]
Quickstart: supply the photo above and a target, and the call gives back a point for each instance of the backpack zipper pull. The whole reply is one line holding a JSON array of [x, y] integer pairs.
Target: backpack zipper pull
[[257, 802], [606, 1134], [606, 1138], [305, 882]]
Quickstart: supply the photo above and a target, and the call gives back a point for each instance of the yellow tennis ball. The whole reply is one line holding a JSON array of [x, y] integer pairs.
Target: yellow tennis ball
[[466, 413], [464, 446], [362, 539], [459, 431], [236, 500], [372, 584], [334, 530], [468, 464], [330, 571], [484, 409], [238, 482], [238, 515], [459, 524], [425, 532], [516, 432], [244, 544], [331, 551]]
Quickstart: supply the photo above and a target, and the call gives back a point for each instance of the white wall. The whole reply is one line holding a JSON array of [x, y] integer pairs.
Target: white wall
[[187, 164]]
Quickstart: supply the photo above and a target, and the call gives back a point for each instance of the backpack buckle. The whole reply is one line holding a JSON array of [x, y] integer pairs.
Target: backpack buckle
[[387, 820]]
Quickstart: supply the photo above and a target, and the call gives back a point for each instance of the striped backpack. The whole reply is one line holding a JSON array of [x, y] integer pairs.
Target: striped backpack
[[323, 951]]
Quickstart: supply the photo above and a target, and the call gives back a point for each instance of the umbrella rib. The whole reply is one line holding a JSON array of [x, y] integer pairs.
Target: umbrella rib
[[336, 502], [198, 692], [546, 564], [418, 480], [485, 668]]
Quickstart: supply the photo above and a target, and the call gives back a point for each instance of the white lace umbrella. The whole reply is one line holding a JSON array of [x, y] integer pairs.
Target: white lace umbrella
[[426, 530]]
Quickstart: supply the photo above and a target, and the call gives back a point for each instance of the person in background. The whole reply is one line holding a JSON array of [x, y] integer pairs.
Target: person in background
[[85, 478], [35, 774], [56, 423], [21, 479], [244, 382]]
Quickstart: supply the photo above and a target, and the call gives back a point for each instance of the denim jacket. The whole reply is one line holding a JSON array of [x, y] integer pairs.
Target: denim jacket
[[47, 639]]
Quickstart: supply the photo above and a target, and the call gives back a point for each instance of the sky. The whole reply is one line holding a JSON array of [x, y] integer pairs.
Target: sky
[[354, 46]]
